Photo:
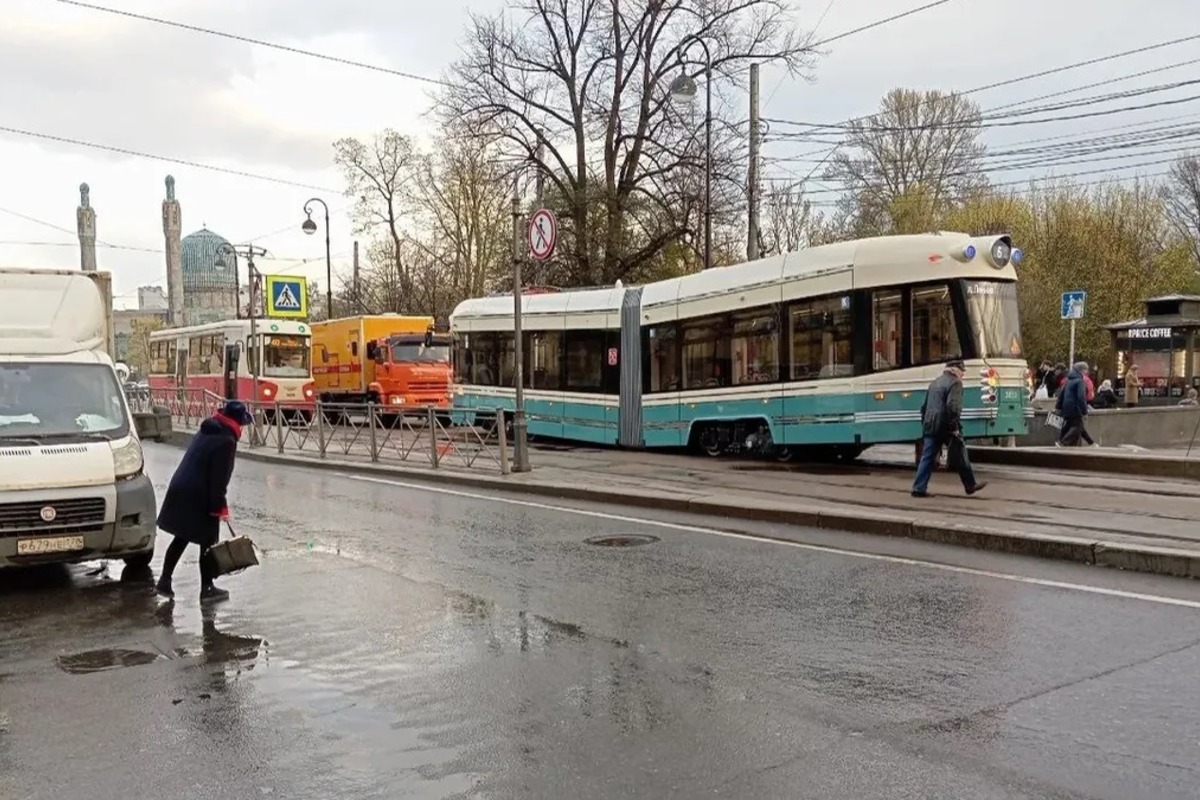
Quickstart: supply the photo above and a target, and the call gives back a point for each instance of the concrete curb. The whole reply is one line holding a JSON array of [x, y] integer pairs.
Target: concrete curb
[[1083, 460], [1137, 558]]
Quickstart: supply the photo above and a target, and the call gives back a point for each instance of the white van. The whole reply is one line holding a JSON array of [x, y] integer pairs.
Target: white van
[[72, 481]]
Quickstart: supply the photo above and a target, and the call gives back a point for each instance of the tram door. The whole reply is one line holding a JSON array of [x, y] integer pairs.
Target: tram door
[[232, 351]]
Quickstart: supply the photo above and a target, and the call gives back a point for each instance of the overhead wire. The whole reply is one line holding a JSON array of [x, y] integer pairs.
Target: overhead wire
[[1157, 162], [835, 148], [167, 159], [877, 23], [257, 42], [1029, 76], [1007, 121]]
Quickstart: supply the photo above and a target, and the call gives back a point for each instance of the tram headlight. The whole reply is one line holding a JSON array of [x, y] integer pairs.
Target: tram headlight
[[965, 253], [1000, 252]]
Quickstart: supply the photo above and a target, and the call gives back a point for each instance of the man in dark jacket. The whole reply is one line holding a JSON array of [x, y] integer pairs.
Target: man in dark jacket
[[941, 419], [1073, 405], [195, 503]]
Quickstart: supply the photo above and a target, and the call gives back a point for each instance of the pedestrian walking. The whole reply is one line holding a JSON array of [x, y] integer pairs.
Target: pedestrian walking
[[1133, 386], [196, 503], [1072, 406], [941, 421]]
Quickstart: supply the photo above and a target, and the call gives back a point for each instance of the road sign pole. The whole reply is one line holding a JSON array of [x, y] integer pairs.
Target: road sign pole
[[255, 351], [520, 437], [1071, 359]]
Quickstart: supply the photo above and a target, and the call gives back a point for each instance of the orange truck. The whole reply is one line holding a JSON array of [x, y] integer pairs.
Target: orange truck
[[386, 359]]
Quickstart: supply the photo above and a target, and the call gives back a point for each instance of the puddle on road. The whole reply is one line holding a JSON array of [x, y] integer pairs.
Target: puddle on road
[[104, 660]]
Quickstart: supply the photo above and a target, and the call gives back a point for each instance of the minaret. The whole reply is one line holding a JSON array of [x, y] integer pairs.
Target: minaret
[[172, 225], [85, 226]]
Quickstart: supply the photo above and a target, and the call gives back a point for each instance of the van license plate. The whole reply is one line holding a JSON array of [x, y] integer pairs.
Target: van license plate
[[57, 544]]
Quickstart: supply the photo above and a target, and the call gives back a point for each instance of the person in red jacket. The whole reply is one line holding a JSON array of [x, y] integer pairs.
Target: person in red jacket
[[1089, 385]]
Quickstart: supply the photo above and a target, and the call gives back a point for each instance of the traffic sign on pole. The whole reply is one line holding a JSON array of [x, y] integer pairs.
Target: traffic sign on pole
[[1072, 304], [1072, 309], [543, 234], [287, 297]]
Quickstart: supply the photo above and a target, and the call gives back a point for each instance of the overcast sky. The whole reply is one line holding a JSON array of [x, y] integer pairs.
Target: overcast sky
[[86, 75]]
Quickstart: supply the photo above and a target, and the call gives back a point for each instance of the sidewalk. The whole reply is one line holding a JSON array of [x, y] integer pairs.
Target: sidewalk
[[1131, 522]]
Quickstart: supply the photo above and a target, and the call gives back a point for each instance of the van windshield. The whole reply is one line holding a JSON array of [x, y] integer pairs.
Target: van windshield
[[60, 401]]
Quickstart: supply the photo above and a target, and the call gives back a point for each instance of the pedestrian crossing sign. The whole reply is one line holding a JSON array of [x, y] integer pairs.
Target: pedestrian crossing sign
[[287, 297]]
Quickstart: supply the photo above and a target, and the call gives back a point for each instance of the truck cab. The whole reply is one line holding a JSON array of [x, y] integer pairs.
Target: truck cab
[[412, 369]]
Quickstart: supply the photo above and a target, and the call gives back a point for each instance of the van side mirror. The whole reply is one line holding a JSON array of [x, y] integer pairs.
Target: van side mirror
[[429, 338], [373, 351]]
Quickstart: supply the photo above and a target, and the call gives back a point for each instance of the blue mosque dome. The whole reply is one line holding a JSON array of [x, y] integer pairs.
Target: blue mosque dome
[[198, 262], [210, 294]]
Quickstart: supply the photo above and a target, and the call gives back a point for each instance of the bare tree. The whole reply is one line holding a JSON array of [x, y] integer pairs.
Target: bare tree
[[463, 209], [791, 222], [579, 90], [378, 176], [911, 162], [1182, 198]]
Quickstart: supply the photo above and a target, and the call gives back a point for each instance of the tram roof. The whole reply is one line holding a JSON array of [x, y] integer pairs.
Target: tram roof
[[265, 325], [875, 261]]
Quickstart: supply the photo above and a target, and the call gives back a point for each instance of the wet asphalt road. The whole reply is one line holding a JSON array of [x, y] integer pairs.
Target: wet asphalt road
[[397, 643]]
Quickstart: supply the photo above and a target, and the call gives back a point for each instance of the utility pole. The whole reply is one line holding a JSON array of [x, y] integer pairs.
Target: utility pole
[[520, 438], [753, 174], [357, 295]]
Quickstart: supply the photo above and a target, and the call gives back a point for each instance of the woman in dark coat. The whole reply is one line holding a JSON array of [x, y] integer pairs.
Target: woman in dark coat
[[195, 503]]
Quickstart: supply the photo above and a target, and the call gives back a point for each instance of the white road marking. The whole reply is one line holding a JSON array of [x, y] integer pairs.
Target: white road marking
[[912, 562]]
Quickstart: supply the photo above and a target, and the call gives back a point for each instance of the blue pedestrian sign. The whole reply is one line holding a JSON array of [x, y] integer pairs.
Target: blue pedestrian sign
[[287, 297], [1072, 304]]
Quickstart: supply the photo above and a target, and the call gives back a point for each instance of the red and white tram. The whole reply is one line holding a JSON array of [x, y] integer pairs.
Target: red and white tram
[[221, 357]]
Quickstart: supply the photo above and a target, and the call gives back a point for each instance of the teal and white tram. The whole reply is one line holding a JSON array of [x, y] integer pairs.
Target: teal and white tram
[[829, 348]]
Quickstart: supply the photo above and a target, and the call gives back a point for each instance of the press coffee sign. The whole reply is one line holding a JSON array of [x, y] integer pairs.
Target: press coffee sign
[[1149, 333]]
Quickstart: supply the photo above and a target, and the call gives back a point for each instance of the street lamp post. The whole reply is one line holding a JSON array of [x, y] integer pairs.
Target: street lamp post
[[310, 228], [249, 251], [683, 89]]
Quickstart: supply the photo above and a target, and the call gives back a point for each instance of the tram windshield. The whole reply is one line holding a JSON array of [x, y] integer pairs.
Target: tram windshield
[[285, 356], [995, 319]]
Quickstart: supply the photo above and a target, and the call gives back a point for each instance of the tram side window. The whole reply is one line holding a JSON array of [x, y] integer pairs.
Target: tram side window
[[217, 357], [822, 339], [545, 360], [479, 359], [888, 329], [460, 361], [162, 353], [934, 333], [706, 348], [756, 346], [585, 361], [663, 359], [197, 363], [506, 350]]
